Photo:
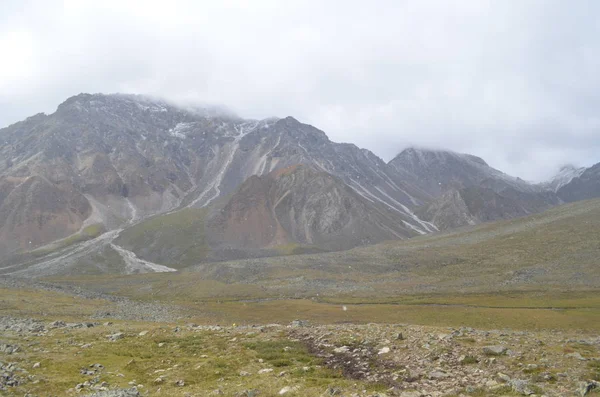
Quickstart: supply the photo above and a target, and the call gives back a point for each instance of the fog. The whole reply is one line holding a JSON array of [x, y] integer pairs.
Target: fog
[[515, 82]]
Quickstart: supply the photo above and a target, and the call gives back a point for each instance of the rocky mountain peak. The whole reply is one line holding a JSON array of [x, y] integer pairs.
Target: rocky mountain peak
[[425, 157], [295, 129], [568, 168], [124, 104], [437, 170], [578, 184], [565, 175]]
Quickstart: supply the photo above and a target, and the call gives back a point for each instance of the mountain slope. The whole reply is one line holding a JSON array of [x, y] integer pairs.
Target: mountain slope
[[132, 157], [34, 210], [435, 171], [565, 175], [291, 210], [477, 204], [113, 161], [554, 250], [582, 187]]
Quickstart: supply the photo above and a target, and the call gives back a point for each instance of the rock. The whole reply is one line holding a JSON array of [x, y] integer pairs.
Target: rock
[[133, 392], [384, 350], [180, 383], [503, 377], [248, 393], [437, 375], [343, 349], [36, 365], [115, 337], [9, 349], [286, 389], [576, 356], [399, 336], [265, 371], [497, 350], [58, 324], [586, 388], [244, 373], [521, 387], [143, 333], [410, 394], [161, 344], [299, 323]]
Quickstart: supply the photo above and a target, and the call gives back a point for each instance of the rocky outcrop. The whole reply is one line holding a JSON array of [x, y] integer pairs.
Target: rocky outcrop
[[35, 211], [304, 206], [583, 187], [435, 171]]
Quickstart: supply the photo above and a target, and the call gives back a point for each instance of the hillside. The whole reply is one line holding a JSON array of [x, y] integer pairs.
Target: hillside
[[289, 211], [477, 204], [75, 180], [557, 249], [582, 187]]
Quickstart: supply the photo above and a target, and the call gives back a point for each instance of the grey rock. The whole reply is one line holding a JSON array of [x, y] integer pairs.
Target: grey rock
[[58, 324], [576, 355], [133, 392], [248, 393], [115, 337], [9, 349], [410, 394], [497, 350], [586, 388], [436, 375], [299, 323], [521, 387]]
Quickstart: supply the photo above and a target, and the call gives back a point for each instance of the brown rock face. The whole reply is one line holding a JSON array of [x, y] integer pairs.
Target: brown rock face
[[303, 206], [35, 211]]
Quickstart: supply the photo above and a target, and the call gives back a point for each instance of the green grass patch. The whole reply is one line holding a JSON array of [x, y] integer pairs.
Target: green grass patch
[[87, 233], [176, 240], [281, 353]]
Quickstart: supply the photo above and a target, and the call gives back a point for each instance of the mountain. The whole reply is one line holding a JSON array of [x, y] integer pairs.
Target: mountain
[[292, 210], [435, 171], [565, 175], [73, 181], [469, 206], [301, 205], [112, 161], [478, 204], [465, 190], [554, 250], [33, 210], [585, 185]]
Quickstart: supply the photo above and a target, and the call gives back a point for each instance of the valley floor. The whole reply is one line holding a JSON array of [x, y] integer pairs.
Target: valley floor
[[57, 342]]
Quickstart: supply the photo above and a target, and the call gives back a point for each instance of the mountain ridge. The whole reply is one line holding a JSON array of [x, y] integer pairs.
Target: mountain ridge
[[131, 157]]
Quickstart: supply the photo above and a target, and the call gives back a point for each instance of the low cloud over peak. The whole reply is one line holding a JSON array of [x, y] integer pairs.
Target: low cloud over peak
[[513, 82]]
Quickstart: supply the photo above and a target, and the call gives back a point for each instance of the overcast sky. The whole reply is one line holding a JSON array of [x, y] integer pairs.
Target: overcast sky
[[516, 82]]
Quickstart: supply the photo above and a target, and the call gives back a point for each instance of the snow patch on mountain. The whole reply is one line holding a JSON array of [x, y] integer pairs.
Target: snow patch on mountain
[[565, 175]]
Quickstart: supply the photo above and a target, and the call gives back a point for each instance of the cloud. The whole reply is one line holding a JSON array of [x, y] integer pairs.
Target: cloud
[[513, 82]]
